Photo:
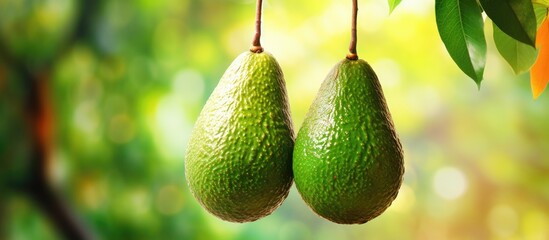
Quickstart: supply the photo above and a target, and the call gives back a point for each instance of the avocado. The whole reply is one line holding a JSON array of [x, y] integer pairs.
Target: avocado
[[238, 163], [348, 160]]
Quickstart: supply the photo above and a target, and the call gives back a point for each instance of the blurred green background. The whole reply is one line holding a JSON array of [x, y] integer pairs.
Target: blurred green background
[[126, 97]]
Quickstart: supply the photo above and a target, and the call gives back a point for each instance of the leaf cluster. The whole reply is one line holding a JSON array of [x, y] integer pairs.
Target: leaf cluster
[[518, 33]]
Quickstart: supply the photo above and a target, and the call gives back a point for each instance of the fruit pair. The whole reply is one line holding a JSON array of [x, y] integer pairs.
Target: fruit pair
[[347, 159]]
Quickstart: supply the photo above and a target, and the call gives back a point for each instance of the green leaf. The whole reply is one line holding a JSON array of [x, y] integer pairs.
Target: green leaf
[[541, 13], [541, 2], [514, 17], [519, 55], [460, 26], [393, 4]]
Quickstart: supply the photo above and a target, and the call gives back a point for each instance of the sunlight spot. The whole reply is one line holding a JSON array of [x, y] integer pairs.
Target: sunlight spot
[[172, 128], [373, 13], [121, 128], [417, 7], [534, 224], [189, 86], [91, 191], [59, 169], [139, 202], [503, 220], [335, 19], [169, 200], [450, 183], [424, 100], [86, 117]]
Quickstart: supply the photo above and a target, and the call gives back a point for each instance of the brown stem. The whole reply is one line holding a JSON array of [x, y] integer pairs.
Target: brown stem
[[256, 44], [352, 55]]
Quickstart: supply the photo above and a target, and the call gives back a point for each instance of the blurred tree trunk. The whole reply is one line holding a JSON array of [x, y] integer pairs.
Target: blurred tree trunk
[[39, 120]]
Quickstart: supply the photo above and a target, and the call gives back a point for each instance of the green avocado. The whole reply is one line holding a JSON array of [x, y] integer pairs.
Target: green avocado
[[238, 163], [348, 160]]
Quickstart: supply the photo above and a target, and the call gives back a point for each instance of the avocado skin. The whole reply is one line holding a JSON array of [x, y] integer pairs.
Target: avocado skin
[[238, 163], [348, 160]]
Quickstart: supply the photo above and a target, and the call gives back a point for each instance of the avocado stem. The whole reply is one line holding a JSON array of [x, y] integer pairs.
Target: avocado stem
[[352, 55], [256, 44]]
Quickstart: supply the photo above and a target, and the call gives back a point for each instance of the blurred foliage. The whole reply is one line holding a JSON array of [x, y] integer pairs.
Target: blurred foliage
[[477, 162], [34, 30]]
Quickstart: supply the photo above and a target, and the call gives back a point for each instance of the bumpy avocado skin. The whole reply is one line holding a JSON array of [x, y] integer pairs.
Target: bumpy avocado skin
[[348, 160], [238, 163]]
